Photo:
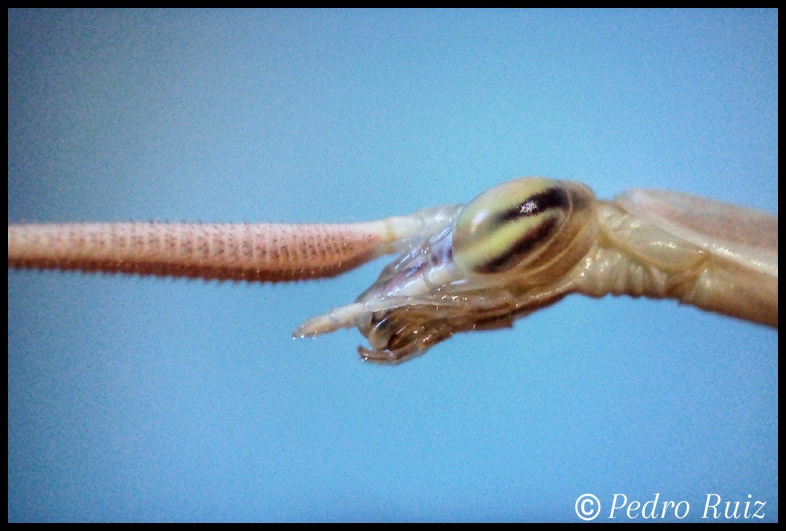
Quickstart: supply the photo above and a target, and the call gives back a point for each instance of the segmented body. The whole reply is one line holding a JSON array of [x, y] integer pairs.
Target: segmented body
[[514, 249], [528, 243]]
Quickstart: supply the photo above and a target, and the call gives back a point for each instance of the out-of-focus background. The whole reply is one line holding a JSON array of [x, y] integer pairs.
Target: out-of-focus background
[[147, 399]]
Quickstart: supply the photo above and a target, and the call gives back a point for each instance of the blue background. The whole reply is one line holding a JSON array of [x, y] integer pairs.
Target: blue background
[[147, 399]]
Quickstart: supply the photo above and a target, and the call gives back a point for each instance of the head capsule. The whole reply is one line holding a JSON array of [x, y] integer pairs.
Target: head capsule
[[524, 226]]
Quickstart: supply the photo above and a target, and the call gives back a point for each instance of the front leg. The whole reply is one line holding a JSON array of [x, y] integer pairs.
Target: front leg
[[263, 252]]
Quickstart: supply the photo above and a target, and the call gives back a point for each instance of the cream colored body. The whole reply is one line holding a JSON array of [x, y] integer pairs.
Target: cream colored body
[[718, 257], [708, 254], [715, 256]]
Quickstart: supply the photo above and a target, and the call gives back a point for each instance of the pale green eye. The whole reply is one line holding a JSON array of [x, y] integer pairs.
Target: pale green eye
[[518, 224]]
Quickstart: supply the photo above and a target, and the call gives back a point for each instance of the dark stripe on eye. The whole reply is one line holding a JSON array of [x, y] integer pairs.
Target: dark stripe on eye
[[536, 204], [521, 247]]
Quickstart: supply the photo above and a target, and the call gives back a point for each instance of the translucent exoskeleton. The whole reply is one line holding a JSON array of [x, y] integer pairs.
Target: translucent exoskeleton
[[514, 249], [530, 242]]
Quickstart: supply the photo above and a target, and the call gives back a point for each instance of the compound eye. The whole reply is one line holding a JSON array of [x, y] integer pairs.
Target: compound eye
[[510, 225]]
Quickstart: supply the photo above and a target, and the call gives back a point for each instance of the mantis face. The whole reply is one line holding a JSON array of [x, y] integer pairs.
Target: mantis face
[[493, 263], [518, 247]]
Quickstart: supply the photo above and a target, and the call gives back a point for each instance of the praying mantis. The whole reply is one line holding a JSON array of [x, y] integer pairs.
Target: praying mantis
[[516, 248]]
